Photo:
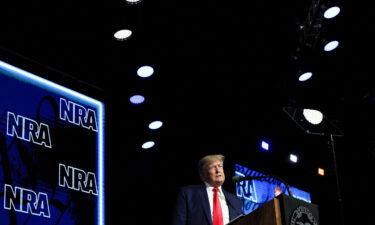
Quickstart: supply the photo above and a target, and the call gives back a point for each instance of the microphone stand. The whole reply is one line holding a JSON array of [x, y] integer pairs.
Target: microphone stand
[[286, 185], [272, 176]]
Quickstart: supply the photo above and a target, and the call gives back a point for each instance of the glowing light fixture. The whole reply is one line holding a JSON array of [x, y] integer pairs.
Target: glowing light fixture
[[137, 99], [305, 76], [313, 116], [155, 125], [332, 45], [331, 12], [265, 145], [123, 35], [133, 1], [145, 71], [312, 121], [293, 158], [321, 171], [148, 144]]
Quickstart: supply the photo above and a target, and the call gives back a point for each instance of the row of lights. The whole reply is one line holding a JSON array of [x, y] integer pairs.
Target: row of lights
[[142, 72], [145, 72], [328, 46], [293, 158], [315, 117]]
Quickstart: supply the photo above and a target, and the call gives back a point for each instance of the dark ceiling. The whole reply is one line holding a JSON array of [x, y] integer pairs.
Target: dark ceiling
[[213, 61], [223, 72]]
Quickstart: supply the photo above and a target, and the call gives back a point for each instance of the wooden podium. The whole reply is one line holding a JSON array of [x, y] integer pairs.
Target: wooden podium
[[282, 210]]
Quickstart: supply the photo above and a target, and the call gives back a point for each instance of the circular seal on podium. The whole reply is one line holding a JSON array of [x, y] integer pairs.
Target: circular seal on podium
[[302, 216]]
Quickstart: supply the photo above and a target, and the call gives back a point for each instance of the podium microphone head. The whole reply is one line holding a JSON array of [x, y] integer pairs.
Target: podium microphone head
[[236, 179]]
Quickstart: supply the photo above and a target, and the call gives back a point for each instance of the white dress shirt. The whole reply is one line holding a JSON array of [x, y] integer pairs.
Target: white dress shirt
[[223, 203]]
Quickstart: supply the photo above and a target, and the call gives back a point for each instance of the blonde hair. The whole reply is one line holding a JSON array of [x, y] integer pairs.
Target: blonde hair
[[209, 158]]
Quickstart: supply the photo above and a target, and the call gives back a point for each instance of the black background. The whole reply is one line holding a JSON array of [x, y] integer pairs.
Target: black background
[[223, 72]]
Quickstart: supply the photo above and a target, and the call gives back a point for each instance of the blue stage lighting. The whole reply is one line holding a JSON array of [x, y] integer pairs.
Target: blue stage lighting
[[265, 145], [137, 99]]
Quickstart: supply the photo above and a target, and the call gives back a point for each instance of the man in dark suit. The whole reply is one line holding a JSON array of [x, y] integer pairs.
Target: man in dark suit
[[207, 204]]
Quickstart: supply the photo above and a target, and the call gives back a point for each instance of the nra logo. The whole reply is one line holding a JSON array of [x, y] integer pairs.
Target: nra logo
[[302, 216], [28, 130], [78, 115]]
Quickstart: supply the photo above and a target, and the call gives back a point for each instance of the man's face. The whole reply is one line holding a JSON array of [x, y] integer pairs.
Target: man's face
[[213, 173]]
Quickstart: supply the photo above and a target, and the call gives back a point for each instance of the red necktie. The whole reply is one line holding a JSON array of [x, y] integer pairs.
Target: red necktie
[[217, 218]]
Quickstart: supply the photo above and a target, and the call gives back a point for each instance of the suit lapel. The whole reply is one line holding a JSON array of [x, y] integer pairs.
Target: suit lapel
[[230, 205], [205, 204]]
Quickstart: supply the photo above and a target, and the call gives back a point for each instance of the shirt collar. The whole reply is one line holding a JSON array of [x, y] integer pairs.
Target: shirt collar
[[209, 187]]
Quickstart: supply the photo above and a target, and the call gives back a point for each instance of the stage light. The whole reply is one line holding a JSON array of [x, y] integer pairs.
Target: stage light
[[293, 158], [331, 12], [312, 121], [321, 171], [330, 45], [326, 128], [123, 35], [265, 145], [145, 71], [313, 116], [148, 144], [155, 125], [137, 99], [305, 76], [133, 1]]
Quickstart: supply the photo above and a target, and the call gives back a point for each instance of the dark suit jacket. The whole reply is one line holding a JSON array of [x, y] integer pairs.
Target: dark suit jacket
[[193, 207]]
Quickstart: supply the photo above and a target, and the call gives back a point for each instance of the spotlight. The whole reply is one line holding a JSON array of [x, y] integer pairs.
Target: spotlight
[[145, 71], [330, 45], [305, 66], [137, 99], [265, 145], [148, 145], [312, 121], [326, 128], [133, 1], [123, 35], [321, 171], [304, 76], [313, 116], [293, 158], [155, 125], [331, 12]]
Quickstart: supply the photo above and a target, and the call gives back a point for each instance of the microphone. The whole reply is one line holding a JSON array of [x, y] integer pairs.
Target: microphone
[[236, 179]]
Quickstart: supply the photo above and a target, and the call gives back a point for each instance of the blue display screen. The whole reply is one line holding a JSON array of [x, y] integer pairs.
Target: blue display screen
[[51, 152], [255, 193]]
